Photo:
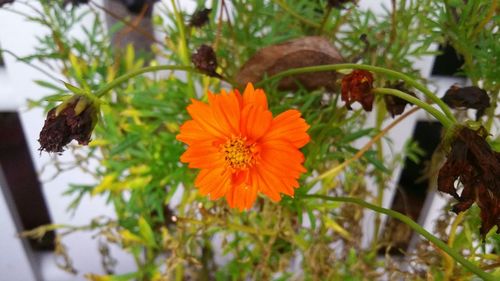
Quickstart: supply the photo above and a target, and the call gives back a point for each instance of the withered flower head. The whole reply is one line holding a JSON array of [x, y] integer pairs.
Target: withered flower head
[[205, 60], [75, 2], [72, 120], [3, 2], [476, 166], [137, 6], [338, 4], [357, 86], [200, 18], [396, 105], [467, 97]]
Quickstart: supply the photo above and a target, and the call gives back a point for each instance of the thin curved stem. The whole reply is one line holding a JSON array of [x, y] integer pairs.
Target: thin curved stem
[[127, 76], [30, 64], [409, 98], [413, 225], [285, 7], [329, 67], [364, 149]]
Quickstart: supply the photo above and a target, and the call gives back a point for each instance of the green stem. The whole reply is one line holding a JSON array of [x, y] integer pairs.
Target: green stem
[[325, 19], [413, 225], [127, 76], [285, 7], [183, 48], [27, 62], [179, 272], [329, 67], [447, 123], [380, 117]]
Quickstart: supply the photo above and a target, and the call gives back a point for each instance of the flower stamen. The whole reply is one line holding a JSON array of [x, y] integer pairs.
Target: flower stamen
[[238, 154]]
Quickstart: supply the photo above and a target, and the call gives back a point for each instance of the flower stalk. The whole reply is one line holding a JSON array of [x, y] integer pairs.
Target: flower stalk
[[395, 74], [124, 78], [413, 225], [447, 123]]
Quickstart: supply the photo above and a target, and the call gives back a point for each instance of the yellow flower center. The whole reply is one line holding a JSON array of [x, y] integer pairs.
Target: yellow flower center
[[238, 154]]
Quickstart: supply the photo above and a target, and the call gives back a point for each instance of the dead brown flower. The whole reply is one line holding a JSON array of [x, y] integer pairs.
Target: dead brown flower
[[357, 86], [205, 60], [3, 2], [476, 167], [396, 105], [339, 4], [74, 2], [467, 97], [73, 120], [200, 18]]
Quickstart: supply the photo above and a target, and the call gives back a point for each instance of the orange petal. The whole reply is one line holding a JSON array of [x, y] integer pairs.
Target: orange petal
[[287, 177], [290, 127], [265, 184], [191, 132], [255, 121], [254, 96], [241, 197], [226, 109], [204, 115], [202, 156], [282, 154], [242, 193], [213, 182]]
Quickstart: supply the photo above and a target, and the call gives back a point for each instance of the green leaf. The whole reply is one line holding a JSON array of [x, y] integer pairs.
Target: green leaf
[[48, 85], [74, 89], [356, 135], [371, 156], [146, 233]]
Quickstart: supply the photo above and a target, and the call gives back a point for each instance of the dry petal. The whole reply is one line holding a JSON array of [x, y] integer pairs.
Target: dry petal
[[200, 18], [396, 105], [64, 124], [3, 2], [205, 60], [357, 87], [477, 168], [467, 97]]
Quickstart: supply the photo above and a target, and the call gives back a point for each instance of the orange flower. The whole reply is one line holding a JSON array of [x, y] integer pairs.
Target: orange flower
[[241, 149]]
